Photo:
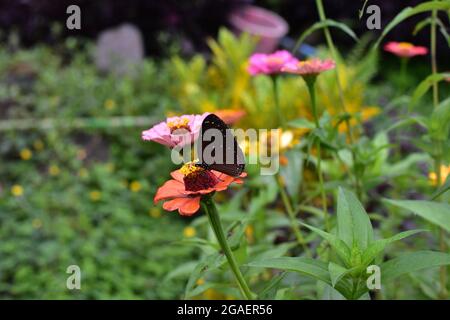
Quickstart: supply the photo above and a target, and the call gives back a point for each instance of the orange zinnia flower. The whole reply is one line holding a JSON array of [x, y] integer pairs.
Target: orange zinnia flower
[[188, 185]]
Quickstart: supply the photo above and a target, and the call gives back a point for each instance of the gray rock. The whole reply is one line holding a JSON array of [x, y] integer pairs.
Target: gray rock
[[119, 50]]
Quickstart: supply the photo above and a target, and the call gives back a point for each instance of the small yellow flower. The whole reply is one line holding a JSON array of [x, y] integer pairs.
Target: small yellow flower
[[287, 138], [445, 171], [95, 195], [38, 145], [200, 281], [189, 232], [53, 170], [212, 294], [36, 223], [154, 212], [249, 231], [17, 190], [109, 104], [26, 154], [83, 173], [135, 186]]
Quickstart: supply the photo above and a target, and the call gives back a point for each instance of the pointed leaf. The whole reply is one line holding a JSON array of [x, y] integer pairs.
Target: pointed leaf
[[307, 266], [437, 213], [324, 24], [410, 11], [410, 262], [377, 247], [336, 273], [424, 86], [354, 225], [341, 248], [442, 189]]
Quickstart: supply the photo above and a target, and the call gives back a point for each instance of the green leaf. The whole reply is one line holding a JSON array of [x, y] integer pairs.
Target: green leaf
[[293, 173], [378, 246], [301, 123], [424, 86], [336, 273], [210, 262], [341, 248], [324, 24], [428, 21], [410, 262], [273, 283], [442, 189], [437, 213], [409, 12], [440, 121], [307, 266], [353, 223]]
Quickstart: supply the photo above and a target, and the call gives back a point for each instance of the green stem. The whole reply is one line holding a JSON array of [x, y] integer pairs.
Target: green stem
[[334, 54], [276, 98], [210, 208], [433, 57], [442, 241], [292, 217], [310, 82], [403, 66]]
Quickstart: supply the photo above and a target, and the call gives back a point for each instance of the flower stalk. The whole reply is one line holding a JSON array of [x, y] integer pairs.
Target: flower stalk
[[276, 99], [209, 207], [310, 82], [334, 54], [291, 213], [438, 158]]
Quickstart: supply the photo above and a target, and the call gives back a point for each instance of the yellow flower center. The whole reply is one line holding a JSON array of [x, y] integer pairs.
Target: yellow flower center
[[190, 168], [274, 60], [405, 45], [180, 123]]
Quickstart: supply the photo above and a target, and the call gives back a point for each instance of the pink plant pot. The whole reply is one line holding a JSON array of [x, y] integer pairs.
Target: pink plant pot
[[267, 26]]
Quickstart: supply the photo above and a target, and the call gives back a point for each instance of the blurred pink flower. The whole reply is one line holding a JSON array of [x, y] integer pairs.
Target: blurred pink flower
[[405, 49], [309, 67], [261, 63], [175, 131]]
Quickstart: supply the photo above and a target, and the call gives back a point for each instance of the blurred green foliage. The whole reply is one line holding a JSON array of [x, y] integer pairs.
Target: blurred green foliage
[[82, 196]]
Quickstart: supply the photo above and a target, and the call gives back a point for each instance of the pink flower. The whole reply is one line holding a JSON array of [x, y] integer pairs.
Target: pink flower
[[309, 67], [261, 63], [176, 131], [405, 49]]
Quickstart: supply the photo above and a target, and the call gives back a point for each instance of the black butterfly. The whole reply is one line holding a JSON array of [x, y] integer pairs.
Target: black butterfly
[[217, 149]]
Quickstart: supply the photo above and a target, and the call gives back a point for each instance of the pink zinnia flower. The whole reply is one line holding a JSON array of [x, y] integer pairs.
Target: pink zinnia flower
[[405, 49], [309, 67], [261, 63], [176, 131]]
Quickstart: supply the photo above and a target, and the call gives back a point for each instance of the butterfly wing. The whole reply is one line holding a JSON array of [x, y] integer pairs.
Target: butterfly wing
[[221, 153]]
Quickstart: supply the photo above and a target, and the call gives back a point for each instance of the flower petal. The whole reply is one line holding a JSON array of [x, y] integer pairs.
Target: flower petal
[[185, 206], [177, 175], [170, 189]]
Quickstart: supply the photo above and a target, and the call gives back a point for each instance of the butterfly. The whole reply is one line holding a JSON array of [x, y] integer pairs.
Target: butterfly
[[217, 148]]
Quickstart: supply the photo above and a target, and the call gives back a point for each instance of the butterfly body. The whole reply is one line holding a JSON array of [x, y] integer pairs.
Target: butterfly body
[[217, 148]]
